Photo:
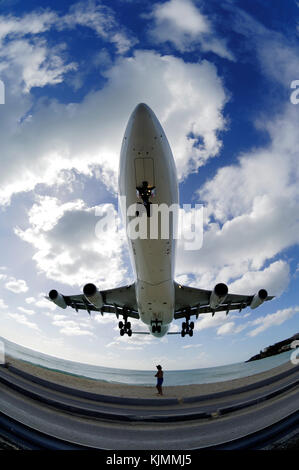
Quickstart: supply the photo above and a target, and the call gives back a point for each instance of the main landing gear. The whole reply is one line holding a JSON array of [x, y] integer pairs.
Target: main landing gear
[[156, 326], [187, 328], [125, 328]]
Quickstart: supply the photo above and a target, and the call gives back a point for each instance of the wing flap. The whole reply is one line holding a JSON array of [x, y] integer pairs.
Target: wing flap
[[119, 301], [193, 301]]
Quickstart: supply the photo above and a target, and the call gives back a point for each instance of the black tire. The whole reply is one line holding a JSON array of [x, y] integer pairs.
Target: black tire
[[120, 325], [183, 332], [153, 329], [184, 325], [192, 325], [129, 332], [122, 332], [128, 325], [158, 329], [191, 333]]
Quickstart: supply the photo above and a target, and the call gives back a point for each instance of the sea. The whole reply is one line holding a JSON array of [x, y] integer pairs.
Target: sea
[[142, 377]]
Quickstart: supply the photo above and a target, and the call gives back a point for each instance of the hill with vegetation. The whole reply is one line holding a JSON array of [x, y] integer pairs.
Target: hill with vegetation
[[276, 348]]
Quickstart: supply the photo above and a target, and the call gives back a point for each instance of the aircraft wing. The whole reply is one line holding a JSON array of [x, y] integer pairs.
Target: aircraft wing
[[120, 301], [197, 301]]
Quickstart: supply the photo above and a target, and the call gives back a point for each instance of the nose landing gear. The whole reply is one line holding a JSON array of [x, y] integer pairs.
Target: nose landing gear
[[156, 326]]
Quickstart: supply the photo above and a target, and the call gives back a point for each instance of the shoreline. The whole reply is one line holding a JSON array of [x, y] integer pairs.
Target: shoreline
[[141, 391]]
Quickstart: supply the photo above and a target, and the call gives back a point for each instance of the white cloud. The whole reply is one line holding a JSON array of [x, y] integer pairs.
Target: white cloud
[[106, 318], [278, 56], [259, 174], [208, 321], [23, 320], [191, 346], [33, 64], [188, 98], [101, 19], [67, 248], [41, 302], [27, 60], [45, 304], [275, 279], [16, 285], [30, 23], [251, 205], [72, 328], [230, 328], [59, 317], [90, 14], [273, 319], [250, 214], [226, 328], [2, 304], [182, 23], [27, 311]]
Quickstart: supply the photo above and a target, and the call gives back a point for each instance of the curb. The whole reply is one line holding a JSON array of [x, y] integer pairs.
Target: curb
[[27, 437], [105, 415], [147, 401], [162, 417], [93, 396], [243, 389], [255, 401], [255, 440]]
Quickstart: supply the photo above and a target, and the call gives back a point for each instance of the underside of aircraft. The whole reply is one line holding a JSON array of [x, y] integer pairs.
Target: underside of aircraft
[[148, 178]]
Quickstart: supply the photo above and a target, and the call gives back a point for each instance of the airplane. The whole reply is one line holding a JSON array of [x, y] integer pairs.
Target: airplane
[[147, 176]]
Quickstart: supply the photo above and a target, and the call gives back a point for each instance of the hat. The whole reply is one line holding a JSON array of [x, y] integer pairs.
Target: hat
[[159, 367]]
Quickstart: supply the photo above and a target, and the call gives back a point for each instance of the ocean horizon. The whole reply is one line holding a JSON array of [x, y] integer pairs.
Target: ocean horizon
[[145, 377]]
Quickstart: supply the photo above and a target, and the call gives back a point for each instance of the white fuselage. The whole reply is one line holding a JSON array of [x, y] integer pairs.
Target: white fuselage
[[146, 157]]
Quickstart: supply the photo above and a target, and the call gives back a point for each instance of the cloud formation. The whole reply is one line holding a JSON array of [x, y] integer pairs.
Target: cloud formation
[[38, 146], [273, 319], [181, 23], [23, 320], [251, 214], [68, 248], [14, 285]]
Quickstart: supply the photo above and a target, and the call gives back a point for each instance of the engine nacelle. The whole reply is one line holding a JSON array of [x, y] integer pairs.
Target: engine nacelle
[[93, 295], [259, 298], [218, 295], [57, 298]]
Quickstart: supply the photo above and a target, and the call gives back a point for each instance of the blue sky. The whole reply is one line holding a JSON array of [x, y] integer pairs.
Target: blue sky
[[218, 76]]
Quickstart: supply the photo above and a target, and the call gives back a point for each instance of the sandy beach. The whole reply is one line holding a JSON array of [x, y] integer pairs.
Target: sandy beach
[[138, 391]]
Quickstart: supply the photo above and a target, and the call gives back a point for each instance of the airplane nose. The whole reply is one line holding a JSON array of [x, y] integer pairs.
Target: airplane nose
[[142, 112], [143, 129]]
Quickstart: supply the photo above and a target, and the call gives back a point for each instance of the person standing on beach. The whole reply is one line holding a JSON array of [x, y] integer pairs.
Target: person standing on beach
[[159, 376]]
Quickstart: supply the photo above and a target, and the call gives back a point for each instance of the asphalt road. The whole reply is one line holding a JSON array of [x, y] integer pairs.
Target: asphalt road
[[116, 434]]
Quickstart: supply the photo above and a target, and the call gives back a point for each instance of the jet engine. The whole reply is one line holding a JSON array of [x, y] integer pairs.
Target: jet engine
[[259, 298], [57, 298], [218, 295], [93, 295]]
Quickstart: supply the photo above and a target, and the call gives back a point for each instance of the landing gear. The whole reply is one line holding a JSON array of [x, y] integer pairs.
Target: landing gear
[[125, 328], [187, 328], [156, 326]]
